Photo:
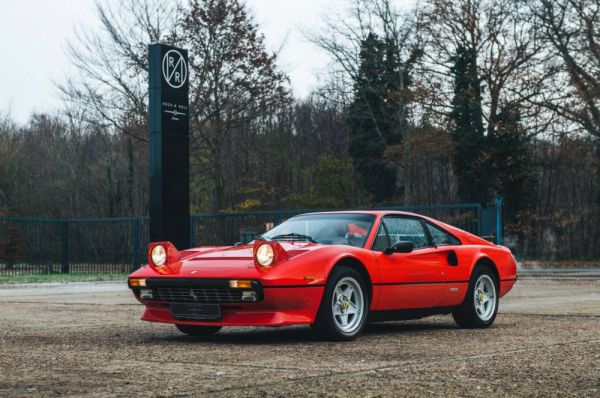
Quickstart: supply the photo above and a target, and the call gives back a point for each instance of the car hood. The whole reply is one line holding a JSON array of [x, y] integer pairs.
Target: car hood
[[234, 256]]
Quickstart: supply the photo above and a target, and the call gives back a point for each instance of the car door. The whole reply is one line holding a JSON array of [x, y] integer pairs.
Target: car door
[[457, 265], [408, 280]]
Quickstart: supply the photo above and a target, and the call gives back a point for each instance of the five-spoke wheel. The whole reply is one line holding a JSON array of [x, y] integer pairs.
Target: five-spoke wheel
[[485, 297], [481, 303], [344, 307], [347, 304]]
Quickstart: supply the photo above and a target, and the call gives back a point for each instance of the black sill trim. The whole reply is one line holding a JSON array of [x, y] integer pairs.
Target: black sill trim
[[417, 283], [293, 286], [407, 314], [508, 280]]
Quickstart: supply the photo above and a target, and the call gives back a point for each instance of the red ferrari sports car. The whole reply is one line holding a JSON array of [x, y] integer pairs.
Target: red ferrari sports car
[[335, 271]]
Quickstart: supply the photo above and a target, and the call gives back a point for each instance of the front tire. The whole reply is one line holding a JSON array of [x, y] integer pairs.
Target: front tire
[[481, 303], [344, 307], [198, 331]]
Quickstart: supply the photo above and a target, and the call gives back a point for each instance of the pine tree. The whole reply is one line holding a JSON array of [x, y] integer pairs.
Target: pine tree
[[373, 118], [512, 162], [471, 164]]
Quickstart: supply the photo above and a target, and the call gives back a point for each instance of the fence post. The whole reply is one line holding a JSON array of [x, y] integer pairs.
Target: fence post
[[193, 229], [135, 240], [64, 247], [499, 225], [277, 219], [479, 228]]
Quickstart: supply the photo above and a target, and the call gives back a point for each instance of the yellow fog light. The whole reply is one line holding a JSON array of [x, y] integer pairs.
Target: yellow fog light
[[240, 284], [137, 283], [249, 296]]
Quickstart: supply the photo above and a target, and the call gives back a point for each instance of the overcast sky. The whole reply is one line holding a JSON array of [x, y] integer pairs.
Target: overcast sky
[[33, 35]]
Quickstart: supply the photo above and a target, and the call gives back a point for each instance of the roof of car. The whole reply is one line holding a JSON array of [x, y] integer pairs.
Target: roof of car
[[373, 212], [467, 236]]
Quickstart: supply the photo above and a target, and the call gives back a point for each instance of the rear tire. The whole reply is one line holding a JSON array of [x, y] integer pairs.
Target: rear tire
[[198, 331], [344, 307], [480, 306]]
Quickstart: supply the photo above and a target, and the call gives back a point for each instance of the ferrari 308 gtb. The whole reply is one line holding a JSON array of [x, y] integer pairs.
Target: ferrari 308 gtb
[[335, 271]]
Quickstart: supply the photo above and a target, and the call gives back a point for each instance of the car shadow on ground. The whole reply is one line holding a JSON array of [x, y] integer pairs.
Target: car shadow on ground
[[302, 334]]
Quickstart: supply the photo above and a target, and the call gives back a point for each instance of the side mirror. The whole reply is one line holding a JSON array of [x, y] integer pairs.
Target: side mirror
[[400, 247]]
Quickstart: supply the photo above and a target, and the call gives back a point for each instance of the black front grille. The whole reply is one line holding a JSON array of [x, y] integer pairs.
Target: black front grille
[[197, 294], [198, 291]]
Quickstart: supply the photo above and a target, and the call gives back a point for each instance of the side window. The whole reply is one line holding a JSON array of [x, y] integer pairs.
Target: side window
[[440, 237], [382, 241], [406, 229]]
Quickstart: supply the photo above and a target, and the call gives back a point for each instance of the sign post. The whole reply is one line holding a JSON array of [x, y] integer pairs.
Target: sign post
[[169, 145]]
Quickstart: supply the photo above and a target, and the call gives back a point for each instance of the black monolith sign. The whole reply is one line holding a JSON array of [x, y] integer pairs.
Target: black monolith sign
[[169, 145]]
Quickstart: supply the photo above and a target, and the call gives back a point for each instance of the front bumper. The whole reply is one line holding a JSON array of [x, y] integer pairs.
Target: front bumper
[[277, 306]]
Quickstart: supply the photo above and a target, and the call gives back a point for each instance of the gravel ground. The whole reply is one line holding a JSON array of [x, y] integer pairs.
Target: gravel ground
[[87, 339]]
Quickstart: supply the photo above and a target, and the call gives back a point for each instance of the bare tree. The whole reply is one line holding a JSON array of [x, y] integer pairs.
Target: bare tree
[[505, 41], [8, 163], [235, 84], [571, 28], [112, 64]]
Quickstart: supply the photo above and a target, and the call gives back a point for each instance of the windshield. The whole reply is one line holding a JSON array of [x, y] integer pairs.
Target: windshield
[[325, 229]]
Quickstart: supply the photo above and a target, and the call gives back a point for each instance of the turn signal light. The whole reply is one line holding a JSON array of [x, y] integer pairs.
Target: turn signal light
[[137, 282], [240, 284]]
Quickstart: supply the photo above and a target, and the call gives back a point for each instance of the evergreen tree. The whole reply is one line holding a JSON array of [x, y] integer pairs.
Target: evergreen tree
[[397, 79], [373, 118], [471, 164], [512, 162]]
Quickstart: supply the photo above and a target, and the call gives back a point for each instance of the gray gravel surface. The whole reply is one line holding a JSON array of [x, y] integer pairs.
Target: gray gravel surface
[[88, 341]]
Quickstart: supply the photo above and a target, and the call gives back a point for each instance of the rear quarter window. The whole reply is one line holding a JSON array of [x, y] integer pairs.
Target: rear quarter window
[[441, 237]]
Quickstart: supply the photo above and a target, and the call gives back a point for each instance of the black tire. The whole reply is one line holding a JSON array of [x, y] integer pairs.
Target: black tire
[[466, 316], [198, 331], [325, 324]]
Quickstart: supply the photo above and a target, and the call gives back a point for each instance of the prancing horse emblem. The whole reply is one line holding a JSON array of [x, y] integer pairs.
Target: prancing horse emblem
[[192, 295]]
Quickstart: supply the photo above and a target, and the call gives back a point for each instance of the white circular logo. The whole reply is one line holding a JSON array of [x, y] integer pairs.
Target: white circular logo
[[174, 68]]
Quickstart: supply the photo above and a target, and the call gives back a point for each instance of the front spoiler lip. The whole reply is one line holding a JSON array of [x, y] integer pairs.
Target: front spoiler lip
[[280, 307]]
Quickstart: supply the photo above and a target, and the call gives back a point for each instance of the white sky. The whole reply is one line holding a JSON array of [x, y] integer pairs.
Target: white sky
[[33, 35]]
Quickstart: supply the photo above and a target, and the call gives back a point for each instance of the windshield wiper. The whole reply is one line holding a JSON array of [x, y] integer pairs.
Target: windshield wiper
[[294, 235]]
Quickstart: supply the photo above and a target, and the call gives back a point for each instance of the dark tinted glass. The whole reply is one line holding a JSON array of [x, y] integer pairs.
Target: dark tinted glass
[[441, 237]]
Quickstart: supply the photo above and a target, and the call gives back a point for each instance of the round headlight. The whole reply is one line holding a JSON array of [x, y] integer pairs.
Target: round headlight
[[265, 254], [159, 255]]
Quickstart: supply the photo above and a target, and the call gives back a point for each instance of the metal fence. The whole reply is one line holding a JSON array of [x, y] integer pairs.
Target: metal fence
[[87, 245], [118, 245]]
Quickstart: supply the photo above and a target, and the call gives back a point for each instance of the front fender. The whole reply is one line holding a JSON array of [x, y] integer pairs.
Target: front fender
[[314, 266]]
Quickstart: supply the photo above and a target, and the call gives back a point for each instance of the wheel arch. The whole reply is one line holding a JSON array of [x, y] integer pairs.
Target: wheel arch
[[487, 262], [358, 266]]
